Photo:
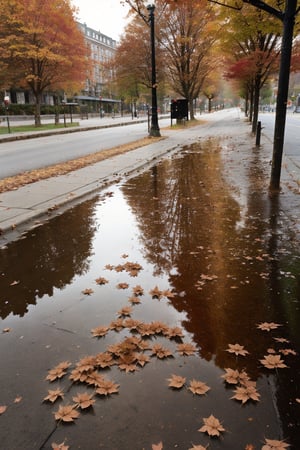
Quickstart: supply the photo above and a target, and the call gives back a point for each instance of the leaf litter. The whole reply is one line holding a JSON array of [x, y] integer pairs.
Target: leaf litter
[[130, 354]]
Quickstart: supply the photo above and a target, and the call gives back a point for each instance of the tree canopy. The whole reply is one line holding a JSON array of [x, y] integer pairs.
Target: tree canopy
[[42, 47]]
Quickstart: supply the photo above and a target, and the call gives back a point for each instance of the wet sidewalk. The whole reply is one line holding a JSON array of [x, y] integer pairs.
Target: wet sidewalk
[[156, 303], [26, 206]]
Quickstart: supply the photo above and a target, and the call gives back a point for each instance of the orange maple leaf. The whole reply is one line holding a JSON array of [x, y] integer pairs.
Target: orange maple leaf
[[158, 446], [83, 400], [271, 444], [53, 395], [268, 326], [186, 349], [273, 362], [176, 381], [245, 393], [66, 413], [237, 349], [212, 426], [198, 387]]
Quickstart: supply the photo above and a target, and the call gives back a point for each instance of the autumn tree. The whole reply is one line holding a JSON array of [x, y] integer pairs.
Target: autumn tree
[[132, 61], [186, 32], [42, 47], [251, 38]]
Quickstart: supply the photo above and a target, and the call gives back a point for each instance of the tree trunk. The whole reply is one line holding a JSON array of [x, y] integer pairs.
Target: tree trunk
[[191, 108], [256, 102], [37, 112]]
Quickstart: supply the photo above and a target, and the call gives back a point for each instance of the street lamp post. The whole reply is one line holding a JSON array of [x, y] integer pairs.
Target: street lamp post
[[154, 128]]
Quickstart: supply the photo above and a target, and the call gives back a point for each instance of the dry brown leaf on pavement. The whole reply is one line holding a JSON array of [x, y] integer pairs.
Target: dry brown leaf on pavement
[[198, 447], [61, 446], [212, 426], [245, 393], [198, 387], [268, 326], [273, 362], [3, 408], [158, 446], [237, 349], [53, 395], [186, 349], [176, 381], [88, 291], [271, 444], [84, 400], [66, 413]]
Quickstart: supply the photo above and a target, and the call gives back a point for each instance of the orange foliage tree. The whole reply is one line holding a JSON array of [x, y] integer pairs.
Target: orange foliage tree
[[42, 47], [186, 32]]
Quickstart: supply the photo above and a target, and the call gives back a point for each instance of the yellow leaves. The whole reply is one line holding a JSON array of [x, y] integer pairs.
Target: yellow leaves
[[237, 349], [212, 426], [66, 413], [273, 362], [271, 444]]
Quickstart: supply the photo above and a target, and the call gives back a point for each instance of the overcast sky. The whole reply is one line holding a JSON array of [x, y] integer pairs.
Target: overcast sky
[[106, 16]]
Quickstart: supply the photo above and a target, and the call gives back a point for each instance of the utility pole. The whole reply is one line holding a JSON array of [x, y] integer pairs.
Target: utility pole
[[282, 95]]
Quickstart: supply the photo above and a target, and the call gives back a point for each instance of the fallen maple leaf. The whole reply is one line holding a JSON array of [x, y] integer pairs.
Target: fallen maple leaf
[[235, 377], [245, 393], [138, 290], [58, 371], [83, 400], [198, 447], [212, 426], [186, 349], [53, 395], [271, 444], [108, 387], [99, 331], [101, 280], [158, 446], [125, 311], [61, 446], [122, 286], [176, 381], [249, 447], [273, 362], [88, 291], [268, 326], [198, 387], [18, 399], [161, 352], [237, 349], [173, 333], [156, 293], [3, 408], [134, 300], [66, 413]]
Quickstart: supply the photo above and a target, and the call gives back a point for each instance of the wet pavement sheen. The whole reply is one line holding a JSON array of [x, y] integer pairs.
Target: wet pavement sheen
[[224, 258]]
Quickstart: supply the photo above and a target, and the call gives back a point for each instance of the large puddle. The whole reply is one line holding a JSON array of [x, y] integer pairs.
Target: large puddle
[[213, 257]]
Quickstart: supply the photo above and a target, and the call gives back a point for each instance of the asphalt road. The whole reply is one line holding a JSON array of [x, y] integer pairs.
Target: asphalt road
[[292, 131], [19, 156]]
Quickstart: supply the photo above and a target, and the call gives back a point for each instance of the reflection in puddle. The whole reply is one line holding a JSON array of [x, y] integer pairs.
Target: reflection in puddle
[[227, 267]]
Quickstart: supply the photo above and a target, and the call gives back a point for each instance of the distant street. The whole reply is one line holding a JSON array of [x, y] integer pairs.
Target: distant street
[[292, 131], [20, 156]]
